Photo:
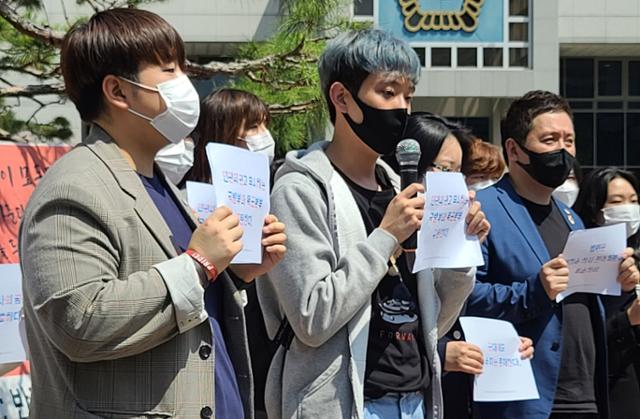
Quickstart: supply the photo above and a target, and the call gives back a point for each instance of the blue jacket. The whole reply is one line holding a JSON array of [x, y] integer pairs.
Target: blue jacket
[[508, 288]]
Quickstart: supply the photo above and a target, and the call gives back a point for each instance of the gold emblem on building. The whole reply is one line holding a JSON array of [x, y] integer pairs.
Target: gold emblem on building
[[465, 19]]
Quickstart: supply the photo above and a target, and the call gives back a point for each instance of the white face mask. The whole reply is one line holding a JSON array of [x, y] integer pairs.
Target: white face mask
[[627, 213], [183, 108], [482, 185], [175, 160], [262, 143], [567, 192]]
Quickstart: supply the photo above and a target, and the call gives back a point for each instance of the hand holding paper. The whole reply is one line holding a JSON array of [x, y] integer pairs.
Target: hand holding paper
[[463, 357], [218, 238], [443, 241], [593, 257], [477, 223], [241, 181], [554, 276], [629, 275], [273, 243], [201, 198], [506, 375]]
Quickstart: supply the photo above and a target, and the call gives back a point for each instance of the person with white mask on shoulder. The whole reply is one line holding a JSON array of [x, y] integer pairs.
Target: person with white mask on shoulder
[[239, 118], [259, 140], [234, 117], [610, 196], [483, 164]]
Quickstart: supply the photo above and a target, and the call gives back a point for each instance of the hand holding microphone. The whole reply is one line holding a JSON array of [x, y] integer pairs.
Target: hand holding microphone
[[404, 213]]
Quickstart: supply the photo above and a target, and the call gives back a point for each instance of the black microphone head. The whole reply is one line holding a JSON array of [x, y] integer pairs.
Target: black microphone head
[[408, 152]]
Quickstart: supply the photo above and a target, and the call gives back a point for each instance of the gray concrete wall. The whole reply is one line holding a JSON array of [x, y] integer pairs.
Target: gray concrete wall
[[197, 20], [492, 108], [572, 24], [598, 21]]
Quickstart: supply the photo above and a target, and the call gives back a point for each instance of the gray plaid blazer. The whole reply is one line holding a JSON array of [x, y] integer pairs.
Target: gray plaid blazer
[[110, 334]]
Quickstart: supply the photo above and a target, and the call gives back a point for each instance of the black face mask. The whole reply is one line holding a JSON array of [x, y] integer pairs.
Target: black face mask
[[550, 169], [381, 129]]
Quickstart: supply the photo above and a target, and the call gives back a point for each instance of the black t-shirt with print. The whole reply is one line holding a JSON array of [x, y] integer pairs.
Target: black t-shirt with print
[[395, 355]]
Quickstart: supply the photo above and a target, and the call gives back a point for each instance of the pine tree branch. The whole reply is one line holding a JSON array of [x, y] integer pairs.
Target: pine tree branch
[[95, 8], [275, 83], [32, 90], [28, 71], [46, 35], [202, 71], [277, 109], [301, 60], [241, 67], [23, 137]]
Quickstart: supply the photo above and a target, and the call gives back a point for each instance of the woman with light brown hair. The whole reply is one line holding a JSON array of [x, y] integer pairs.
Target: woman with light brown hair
[[233, 117], [238, 118], [483, 164]]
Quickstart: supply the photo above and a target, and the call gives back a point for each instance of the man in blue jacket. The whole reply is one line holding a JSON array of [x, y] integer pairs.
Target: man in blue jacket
[[524, 270]]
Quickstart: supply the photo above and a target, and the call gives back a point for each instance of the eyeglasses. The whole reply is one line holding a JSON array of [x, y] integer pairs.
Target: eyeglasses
[[445, 169]]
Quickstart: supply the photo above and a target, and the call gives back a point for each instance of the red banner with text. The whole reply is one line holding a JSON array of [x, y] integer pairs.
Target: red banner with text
[[21, 168]]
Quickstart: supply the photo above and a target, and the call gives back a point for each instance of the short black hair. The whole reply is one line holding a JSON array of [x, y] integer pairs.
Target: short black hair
[[519, 118], [119, 42], [594, 189]]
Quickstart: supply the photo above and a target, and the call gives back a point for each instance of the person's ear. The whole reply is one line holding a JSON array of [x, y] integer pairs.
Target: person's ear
[[338, 94], [114, 92]]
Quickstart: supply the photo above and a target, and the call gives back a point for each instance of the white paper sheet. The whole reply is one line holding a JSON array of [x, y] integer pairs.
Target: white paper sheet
[[12, 336], [15, 392], [201, 198], [442, 241], [594, 257], [505, 377], [241, 181]]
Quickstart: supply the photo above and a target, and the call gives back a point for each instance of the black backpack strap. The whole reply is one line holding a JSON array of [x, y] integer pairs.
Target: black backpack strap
[[284, 335]]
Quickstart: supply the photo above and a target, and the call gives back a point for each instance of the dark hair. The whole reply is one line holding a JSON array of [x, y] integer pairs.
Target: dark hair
[[518, 121], [465, 137], [222, 115], [350, 57], [430, 131], [118, 42], [594, 189]]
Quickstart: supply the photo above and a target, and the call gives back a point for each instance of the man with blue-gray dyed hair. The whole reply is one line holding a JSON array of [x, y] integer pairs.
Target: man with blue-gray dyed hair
[[362, 329]]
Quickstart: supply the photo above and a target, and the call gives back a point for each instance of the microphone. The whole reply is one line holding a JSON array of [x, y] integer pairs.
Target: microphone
[[408, 156]]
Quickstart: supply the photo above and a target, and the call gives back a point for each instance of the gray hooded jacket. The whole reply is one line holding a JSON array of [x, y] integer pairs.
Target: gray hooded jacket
[[324, 287]]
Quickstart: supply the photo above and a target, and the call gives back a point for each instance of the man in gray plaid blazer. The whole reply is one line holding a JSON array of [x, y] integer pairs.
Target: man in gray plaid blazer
[[115, 314]]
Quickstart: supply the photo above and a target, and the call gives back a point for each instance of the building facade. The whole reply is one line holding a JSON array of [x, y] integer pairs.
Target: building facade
[[477, 55]]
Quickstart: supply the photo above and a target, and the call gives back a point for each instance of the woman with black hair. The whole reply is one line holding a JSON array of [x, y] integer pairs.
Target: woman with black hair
[[444, 145], [610, 196]]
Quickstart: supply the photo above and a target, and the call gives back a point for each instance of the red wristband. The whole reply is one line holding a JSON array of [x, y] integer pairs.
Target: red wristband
[[210, 268]]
